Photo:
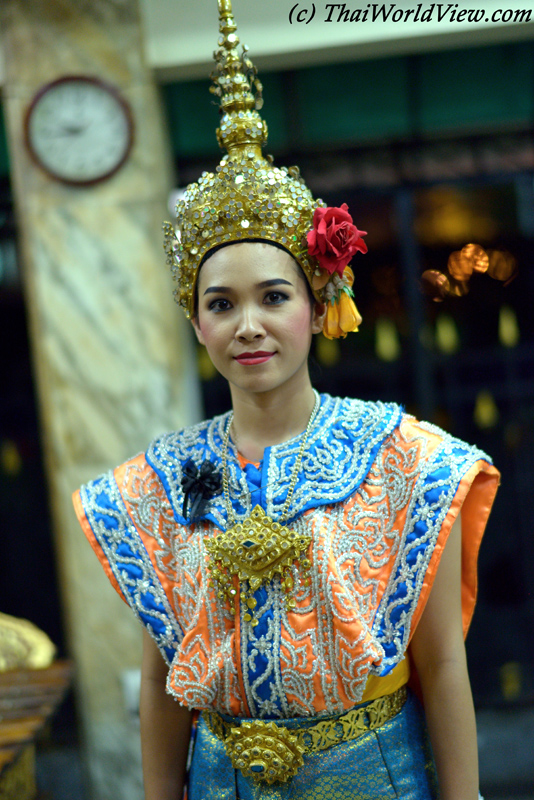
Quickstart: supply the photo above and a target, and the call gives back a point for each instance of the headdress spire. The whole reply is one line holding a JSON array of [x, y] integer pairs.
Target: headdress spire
[[247, 198], [242, 128]]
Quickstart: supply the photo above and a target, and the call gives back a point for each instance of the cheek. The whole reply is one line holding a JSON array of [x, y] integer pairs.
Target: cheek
[[208, 329], [298, 328]]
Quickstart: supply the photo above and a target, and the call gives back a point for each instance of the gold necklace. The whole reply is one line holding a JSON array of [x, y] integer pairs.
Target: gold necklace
[[258, 548]]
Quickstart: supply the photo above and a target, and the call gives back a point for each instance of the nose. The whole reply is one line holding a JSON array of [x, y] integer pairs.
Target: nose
[[249, 326]]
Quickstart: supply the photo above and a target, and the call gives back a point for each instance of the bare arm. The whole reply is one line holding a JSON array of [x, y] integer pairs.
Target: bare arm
[[439, 655], [165, 729]]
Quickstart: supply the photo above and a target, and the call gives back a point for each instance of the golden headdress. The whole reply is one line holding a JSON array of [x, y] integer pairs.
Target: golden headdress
[[247, 198]]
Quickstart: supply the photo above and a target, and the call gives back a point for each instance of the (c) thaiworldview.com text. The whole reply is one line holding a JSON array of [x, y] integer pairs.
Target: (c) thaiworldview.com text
[[304, 13]]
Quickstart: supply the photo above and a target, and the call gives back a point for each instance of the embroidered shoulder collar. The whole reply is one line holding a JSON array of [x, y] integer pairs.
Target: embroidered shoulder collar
[[341, 448]]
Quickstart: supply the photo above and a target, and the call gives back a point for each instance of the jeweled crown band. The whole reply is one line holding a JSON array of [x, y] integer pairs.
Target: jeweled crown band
[[246, 198]]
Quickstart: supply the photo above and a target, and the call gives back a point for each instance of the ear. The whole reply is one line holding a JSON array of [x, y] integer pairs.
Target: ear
[[319, 312], [198, 332]]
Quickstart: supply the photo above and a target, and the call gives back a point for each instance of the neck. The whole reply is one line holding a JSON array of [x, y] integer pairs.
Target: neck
[[269, 418]]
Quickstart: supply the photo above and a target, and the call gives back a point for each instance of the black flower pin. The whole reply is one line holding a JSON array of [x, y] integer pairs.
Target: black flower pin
[[199, 485]]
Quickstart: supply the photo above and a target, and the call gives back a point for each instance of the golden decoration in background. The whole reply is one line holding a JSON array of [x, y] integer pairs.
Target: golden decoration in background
[[446, 215], [486, 413], [23, 645], [387, 345], [511, 680], [471, 258], [447, 336], [10, 458], [508, 327], [462, 264], [502, 266], [327, 351]]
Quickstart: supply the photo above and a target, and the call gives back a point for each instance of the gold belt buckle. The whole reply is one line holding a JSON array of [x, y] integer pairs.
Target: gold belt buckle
[[271, 753], [264, 751]]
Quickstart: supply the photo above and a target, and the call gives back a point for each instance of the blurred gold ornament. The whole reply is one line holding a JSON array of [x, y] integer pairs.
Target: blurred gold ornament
[[477, 257], [387, 345], [446, 215], [23, 645], [511, 679], [471, 258], [10, 459], [461, 265], [502, 266], [486, 413], [436, 284], [508, 327], [458, 288], [447, 336], [327, 351]]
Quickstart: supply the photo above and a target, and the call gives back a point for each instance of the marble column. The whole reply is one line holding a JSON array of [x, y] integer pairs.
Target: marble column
[[112, 354]]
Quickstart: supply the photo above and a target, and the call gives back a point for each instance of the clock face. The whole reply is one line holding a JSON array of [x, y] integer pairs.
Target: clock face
[[79, 130]]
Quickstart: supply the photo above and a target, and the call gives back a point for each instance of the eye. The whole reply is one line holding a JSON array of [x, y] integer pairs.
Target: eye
[[219, 305], [275, 298]]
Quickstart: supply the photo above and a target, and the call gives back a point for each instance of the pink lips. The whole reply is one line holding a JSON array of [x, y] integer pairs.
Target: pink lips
[[249, 359]]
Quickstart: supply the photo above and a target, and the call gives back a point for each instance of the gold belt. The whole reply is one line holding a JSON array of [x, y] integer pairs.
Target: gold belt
[[270, 752]]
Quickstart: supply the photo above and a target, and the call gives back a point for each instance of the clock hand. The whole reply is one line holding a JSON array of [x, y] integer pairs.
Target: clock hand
[[74, 129]]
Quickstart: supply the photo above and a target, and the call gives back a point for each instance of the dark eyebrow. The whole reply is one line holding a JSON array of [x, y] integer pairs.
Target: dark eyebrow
[[217, 289], [273, 282], [262, 285]]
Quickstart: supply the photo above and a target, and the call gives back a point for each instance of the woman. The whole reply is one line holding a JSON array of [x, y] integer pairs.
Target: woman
[[297, 561]]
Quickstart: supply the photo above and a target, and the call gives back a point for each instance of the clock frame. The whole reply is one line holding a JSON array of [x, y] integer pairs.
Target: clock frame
[[121, 106]]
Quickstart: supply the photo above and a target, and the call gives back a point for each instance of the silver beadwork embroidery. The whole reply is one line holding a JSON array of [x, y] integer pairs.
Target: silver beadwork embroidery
[[110, 539], [351, 546], [456, 456], [345, 435]]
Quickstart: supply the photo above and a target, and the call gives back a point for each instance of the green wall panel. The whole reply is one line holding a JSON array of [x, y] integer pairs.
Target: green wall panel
[[4, 157], [274, 110], [193, 116], [352, 103], [476, 88]]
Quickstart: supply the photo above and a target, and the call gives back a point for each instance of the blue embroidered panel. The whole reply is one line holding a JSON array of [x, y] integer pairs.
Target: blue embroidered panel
[[434, 492], [130, 562], [260, 647], [342, 445]]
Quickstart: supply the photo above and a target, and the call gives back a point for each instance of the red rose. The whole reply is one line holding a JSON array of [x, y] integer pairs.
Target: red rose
[[334, 238]]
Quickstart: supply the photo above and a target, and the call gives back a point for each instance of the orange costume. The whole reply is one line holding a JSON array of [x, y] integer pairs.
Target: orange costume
[[379, 493]]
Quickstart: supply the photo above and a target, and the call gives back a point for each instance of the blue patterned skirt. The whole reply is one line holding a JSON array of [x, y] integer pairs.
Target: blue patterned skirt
[[393, 761]]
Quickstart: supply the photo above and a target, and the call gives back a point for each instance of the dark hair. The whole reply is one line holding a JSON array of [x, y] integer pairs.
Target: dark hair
[[214, 249]]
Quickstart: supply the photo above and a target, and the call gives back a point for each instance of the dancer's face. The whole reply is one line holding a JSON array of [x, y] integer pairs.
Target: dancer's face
[[254, 316]]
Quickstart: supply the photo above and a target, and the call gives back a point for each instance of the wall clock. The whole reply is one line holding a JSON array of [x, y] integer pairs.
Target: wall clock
[[79, 130]]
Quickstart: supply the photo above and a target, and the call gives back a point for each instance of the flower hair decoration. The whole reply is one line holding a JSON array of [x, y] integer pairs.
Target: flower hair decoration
[[333, 241]]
